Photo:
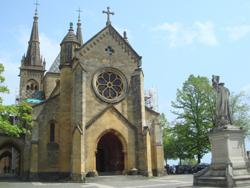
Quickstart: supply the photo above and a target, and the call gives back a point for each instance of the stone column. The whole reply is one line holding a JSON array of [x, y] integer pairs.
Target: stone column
[[158, 151], [29, 158], [78, 122], [142, 158], [65, 136], [34, 162], [34, 152]]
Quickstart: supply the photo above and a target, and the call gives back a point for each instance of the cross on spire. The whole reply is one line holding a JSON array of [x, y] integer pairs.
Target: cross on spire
[[36, 4], [108, 13], [79, 12]]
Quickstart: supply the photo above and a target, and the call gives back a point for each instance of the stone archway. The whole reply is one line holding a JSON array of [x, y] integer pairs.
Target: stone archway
[[110, 152], [11, 151]]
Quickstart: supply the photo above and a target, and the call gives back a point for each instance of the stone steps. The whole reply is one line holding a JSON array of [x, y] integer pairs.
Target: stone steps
[[212, 181], [241, 180]]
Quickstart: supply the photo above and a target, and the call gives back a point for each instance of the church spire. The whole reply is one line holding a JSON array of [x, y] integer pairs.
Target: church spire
[[79, 30], [33, 52]]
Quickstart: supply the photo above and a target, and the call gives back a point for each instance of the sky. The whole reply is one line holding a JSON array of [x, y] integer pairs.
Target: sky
[[174, 38]]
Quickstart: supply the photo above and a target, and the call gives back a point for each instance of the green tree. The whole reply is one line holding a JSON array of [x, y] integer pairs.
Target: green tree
[[197, 103], [174, 145], [240, 107], [168, 139], [23, 113], [189, 161], [183, 141]]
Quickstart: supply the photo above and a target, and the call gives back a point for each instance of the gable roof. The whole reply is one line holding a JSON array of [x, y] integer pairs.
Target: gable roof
[[55, 65], [95, 118], [118, 38]]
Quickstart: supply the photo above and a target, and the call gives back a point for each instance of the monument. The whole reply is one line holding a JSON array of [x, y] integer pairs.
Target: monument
[[230, 166]]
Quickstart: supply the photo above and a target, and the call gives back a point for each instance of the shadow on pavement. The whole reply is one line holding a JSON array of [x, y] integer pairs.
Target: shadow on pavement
[[8, 177]]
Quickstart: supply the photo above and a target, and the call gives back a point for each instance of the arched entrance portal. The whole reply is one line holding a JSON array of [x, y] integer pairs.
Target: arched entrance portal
[[110, 153], [10, 158]]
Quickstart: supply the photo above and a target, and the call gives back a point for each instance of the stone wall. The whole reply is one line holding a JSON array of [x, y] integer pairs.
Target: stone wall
[[49, 83], [44, 155]]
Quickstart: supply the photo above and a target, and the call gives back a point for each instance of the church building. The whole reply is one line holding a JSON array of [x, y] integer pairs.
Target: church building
[[89, 110]]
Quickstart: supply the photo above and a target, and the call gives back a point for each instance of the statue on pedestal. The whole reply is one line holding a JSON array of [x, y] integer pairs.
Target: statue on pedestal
[[223, 114], [229, 164]]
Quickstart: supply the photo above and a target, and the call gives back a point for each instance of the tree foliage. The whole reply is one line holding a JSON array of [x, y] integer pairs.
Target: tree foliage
[[168, 139], [183, 141], [240, 107], [196, 105], [22, 112], [189, 161], [174, 145], [197, 102]]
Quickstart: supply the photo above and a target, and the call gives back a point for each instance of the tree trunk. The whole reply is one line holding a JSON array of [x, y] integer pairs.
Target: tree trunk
[[199, 158]]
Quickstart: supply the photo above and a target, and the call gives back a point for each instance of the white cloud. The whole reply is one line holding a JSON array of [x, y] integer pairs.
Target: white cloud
[[168, 27], [49, 48], [206, 33], [178, 35], [235, 33], [246, 88], [23, 36]]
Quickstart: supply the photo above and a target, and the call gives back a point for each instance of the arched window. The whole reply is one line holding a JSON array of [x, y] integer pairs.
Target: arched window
[[27, 87], [52, 132], [35, 87], [32, 86]]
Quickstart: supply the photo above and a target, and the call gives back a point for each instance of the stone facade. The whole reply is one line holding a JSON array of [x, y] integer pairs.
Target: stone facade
[[93, 115]]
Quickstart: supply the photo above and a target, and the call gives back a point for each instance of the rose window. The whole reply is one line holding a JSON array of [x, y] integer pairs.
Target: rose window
[[109, 85]]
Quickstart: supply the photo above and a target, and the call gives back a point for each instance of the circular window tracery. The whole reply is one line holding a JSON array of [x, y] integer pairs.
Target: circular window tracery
[[110, 84]]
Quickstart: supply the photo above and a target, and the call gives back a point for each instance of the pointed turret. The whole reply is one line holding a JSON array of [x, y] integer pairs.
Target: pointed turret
[[68, 46], [79, 31], [33, 52]]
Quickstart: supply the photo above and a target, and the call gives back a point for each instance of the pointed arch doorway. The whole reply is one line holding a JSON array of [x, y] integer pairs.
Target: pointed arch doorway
[[11, 150], [111, 155]]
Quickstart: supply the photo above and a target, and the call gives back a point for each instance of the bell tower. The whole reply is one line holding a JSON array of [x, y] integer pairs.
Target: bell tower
[[32, 66]]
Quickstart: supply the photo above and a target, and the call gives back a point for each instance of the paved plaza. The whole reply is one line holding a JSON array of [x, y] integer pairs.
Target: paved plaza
[[171, 181]]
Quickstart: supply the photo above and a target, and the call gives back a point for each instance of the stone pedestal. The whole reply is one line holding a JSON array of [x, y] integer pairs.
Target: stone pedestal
[[229, 165]]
